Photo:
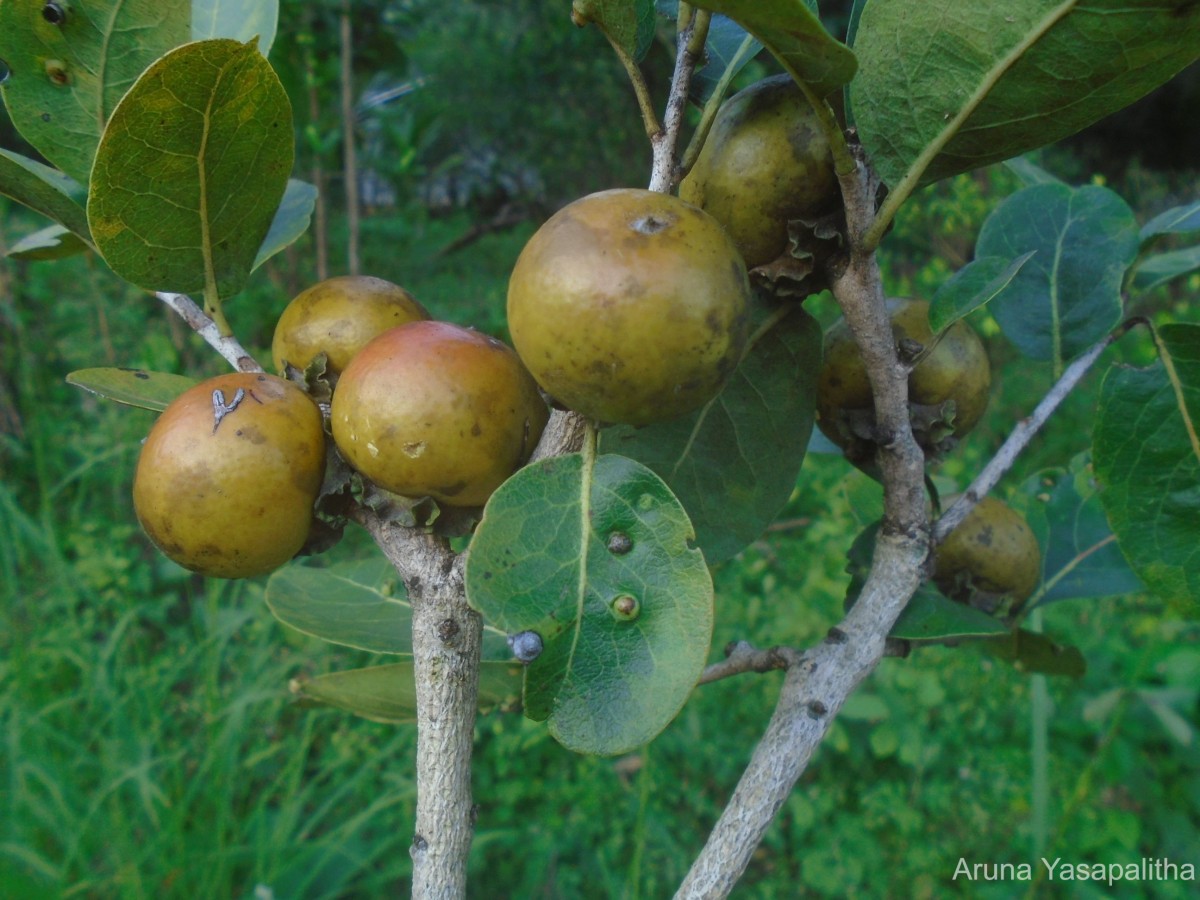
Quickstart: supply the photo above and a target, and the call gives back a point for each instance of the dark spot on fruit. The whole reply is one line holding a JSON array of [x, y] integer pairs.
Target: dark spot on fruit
[[142, 375], [651, 224]]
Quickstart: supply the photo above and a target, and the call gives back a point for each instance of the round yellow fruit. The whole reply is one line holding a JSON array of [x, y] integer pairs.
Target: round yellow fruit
[[948, 387], [227, 477], [765, 162], [431, 409], [338, 317], [629, 306], [992, 554]]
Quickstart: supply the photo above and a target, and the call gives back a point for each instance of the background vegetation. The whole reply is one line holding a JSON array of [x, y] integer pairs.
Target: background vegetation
[[148, 746]]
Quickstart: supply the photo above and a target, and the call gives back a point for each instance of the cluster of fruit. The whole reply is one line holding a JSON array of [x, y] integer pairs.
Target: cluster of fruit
[[626, 306], [227, 479]]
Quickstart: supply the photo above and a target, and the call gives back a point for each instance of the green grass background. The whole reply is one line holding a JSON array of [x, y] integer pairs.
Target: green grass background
[[149, 748]]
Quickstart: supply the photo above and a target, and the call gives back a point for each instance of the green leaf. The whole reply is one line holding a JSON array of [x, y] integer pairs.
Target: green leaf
[[44, 190], [1147, 458], [951, 86], [51, 242], [1068, 296], [1161, 268], [1080, 556], [727, 50], [1036, 654], [133, 387], [627, 23], [388, 693], [972, 286], [67, 79], [360, 604], [795, 36], [191, 170], [734, 463], [240, 20], [291, 219], [1177, 220], [930, 616], [595, 561]]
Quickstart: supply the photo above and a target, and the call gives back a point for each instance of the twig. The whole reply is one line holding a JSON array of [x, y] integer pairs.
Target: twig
[[1023, 433], [694, 32], [713, 105], [814, 690], [227, 345], [741, 657]]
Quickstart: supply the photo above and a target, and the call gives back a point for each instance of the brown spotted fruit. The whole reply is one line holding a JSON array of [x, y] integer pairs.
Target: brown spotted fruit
[[227, 478], [991, 558], [765, 162], [629, 306], [947, 388], [431, 409], [337, 317]]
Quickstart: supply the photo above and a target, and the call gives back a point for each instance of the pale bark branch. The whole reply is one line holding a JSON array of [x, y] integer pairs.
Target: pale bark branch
[[447, 636], [664, 169], [816, 688], [1022, 434], [199, 321]]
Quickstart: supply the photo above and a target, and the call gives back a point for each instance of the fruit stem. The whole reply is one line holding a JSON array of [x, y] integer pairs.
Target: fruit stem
[[747, 48], [209, 329], [640, 88]]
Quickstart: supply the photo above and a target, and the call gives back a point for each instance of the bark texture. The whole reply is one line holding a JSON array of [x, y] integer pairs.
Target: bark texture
[[446, 647]]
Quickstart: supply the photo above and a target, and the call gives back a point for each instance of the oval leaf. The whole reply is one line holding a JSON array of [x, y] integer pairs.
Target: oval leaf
[[67, 78], [44, 190], [360, 604], [627, 23], [133, 387], [726, 53], [1160, 268], [734, 463], [1177, 220], [597, 564], [795, 36], [388, 693], [972, 286], [1080, 556], [291, 219], [191, 170], [1036, 654], [951, 86], [930, 616], [1068, 295], [1147, 456], [51, 242]]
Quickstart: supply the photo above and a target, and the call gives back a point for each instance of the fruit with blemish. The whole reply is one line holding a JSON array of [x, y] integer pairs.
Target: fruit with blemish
[[227, 478], [431, 409], [629, 306], [338, 317]]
